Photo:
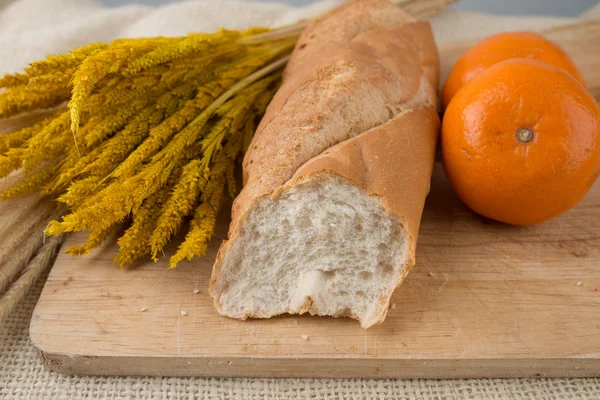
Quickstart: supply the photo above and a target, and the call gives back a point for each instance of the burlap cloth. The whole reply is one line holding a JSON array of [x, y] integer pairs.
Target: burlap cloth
[[29, 29]]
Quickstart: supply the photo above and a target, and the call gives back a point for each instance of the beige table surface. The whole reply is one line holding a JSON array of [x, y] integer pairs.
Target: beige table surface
[[31, 28]]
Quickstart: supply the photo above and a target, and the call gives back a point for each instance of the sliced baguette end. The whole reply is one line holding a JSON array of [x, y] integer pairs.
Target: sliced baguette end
[[322, 247]]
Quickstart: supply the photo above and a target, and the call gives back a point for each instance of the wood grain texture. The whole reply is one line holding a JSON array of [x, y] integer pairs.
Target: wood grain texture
[[485, 300]]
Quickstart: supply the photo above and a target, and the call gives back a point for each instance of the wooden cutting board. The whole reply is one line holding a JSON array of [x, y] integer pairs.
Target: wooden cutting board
[[485, 300]]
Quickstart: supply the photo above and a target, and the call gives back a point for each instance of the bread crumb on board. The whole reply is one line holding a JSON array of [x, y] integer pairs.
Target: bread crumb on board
[[183, 313], [196, 291], [305, 337], [579, 283], [431, 274], [144, 309]]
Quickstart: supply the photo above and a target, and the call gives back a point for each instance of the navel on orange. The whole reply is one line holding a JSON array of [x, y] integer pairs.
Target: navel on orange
[[501, 47], [521, 142]]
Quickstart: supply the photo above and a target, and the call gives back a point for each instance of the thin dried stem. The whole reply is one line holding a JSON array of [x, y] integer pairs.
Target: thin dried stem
[[40, 263], [39, 214], [422, 9], [283, 32], [19, 259]]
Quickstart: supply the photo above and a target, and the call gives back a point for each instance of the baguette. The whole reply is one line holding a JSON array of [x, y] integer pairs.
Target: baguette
[[336, 176]]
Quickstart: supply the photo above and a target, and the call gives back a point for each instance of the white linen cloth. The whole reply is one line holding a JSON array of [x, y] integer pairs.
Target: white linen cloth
[[30, 29]]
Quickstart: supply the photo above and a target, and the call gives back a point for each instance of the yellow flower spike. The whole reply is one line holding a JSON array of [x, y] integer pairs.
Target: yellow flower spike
[[69, 173], [191, 44], [118, 199], [95, 239], [53, 129], [110, 97], [21, 99], [10, 162], [203, 225], [202, 230], [124, 99], [163, 133], [53, 79], [53, 228], [124, 142], [75, 222], [98, 130], [173, 76], [9, 81], [79, 191], [135, 243], [67, 162], [61, 62], [179, 204], [53, 65], [99, 65], [205, 61], [116, 149], [172, 100], [31, 183], [55, 147], [20, 137]]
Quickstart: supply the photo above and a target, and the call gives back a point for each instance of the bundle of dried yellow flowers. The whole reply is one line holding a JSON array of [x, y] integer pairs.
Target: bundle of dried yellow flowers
[[151, 135]]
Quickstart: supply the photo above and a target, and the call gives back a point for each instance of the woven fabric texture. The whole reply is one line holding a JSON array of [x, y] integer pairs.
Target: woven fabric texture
[[22, 376], [29, 29]]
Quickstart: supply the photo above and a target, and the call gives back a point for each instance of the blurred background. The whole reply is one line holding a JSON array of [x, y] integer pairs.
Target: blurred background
[[563, 8]]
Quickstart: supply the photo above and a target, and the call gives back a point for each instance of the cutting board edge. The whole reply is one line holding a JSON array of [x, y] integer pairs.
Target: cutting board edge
[[42, 348], [310, 367], [313, 367]]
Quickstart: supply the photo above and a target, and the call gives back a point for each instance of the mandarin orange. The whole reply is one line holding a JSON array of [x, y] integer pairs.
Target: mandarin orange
[[505, 46], [521, 142]]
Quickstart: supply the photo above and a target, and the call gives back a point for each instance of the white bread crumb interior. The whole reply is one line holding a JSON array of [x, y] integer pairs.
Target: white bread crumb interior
[[323, 247]]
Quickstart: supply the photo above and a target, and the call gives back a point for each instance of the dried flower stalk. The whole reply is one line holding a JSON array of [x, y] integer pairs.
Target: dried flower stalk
[[148, 139], [40, 263], [153, 132]]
